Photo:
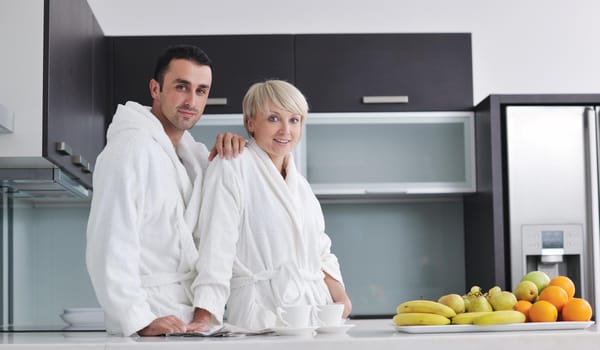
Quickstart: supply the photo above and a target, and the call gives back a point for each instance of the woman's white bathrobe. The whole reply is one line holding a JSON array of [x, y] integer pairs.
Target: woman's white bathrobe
[[140, 246], [262, 242]]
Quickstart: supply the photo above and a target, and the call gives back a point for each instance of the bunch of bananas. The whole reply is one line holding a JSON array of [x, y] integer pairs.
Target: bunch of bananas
[[487, 318], [427, 312], [423, 312]]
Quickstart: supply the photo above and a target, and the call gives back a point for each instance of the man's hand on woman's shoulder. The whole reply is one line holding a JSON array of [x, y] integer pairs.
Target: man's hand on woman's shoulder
[[227, 145]]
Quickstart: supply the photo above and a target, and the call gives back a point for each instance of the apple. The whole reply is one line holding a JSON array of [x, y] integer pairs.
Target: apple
[[540, 278], [526, 290], [454, 301], [503, 300]]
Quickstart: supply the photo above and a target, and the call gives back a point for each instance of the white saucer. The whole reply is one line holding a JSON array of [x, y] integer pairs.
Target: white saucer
[[306, 331], [335, 329]]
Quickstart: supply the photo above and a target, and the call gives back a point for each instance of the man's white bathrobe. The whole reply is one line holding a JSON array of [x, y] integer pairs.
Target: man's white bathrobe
[[262, 242], [140, 247]]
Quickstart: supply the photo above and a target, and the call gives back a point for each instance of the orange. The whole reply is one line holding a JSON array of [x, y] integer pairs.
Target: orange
[[576, 309], [555, 295], [565, 283], [523, 307], [543, 311]]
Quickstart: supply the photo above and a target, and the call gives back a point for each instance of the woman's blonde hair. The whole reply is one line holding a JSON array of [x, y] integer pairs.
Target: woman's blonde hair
[[281, 93]]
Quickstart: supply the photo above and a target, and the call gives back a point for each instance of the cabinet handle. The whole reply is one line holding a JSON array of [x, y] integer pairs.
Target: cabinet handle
[[384, 99], [87, 168], [216, 101], [63, 148], [384, 191], [80, 161]]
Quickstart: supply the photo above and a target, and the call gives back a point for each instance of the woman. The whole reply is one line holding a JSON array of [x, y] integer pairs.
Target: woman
[[262, 243]]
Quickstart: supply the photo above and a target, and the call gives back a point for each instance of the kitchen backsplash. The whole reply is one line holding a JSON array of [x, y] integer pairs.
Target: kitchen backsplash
[[388, 252], [391, 252], [49, 263]]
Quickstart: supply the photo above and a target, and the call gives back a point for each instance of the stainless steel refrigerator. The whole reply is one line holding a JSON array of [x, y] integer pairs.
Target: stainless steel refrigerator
[[536, 205]]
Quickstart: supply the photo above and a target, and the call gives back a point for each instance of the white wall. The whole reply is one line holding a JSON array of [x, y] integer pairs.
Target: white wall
[[21, 74], [531, 46]]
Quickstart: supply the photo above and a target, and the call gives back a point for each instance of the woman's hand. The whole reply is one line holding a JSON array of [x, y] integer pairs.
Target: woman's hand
[[227, 145], [338, 294]]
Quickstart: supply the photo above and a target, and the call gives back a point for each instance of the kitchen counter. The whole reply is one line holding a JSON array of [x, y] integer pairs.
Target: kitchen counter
[[367, 334]]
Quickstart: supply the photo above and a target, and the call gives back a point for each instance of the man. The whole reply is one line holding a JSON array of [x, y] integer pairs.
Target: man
[[140, 247]]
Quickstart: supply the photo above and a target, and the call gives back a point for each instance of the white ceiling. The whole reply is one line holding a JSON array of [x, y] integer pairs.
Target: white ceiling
[[198, 17], [140, 17]]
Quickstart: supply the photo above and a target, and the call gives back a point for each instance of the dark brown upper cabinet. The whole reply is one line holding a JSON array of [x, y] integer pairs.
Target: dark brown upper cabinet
[[238, 62], [385, 72], [75, 88], [336, 72]]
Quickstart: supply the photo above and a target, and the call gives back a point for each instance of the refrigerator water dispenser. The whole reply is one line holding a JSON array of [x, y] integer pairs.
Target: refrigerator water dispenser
[[555, 250]]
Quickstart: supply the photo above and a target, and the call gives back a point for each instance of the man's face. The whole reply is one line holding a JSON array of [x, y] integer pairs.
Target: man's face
[[180, 101]]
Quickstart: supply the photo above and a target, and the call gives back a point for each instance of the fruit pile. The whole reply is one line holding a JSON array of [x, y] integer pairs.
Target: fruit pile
[[542, 299], [537, 298]]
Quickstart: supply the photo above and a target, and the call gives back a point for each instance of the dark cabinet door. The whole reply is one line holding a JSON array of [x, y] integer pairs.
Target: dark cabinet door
[[354, 72], [238, 61], [75, 64], [99, 88]]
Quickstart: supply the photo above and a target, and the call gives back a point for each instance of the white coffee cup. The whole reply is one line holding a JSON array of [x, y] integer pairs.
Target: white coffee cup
[[297, 316], [330, 315]]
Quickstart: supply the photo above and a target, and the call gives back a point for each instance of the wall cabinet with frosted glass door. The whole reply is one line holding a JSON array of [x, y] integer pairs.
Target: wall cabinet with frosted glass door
[[389, 153], [407, 153]]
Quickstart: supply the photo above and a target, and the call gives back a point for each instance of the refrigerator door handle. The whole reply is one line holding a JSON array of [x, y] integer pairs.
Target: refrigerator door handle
[[592, 120]]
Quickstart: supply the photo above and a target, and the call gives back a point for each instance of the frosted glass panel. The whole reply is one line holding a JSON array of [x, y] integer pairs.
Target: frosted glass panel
[[49, 268], [395, 252], [386, 153], [364, 153], [208, 131]]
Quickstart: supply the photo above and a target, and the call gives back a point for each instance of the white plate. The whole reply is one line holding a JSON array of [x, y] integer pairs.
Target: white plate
[[83, 316], [335, 329], [82, 309], [308, 331], [87, 327], [528, 326]]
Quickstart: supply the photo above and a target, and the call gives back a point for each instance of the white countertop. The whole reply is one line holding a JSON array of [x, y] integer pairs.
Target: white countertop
[[367, 334]]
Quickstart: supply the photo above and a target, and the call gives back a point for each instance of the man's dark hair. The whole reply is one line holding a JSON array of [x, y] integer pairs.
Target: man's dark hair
[[188, 52]]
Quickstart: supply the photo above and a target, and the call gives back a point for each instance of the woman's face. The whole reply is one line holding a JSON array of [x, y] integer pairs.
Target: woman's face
[[276, 132]]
